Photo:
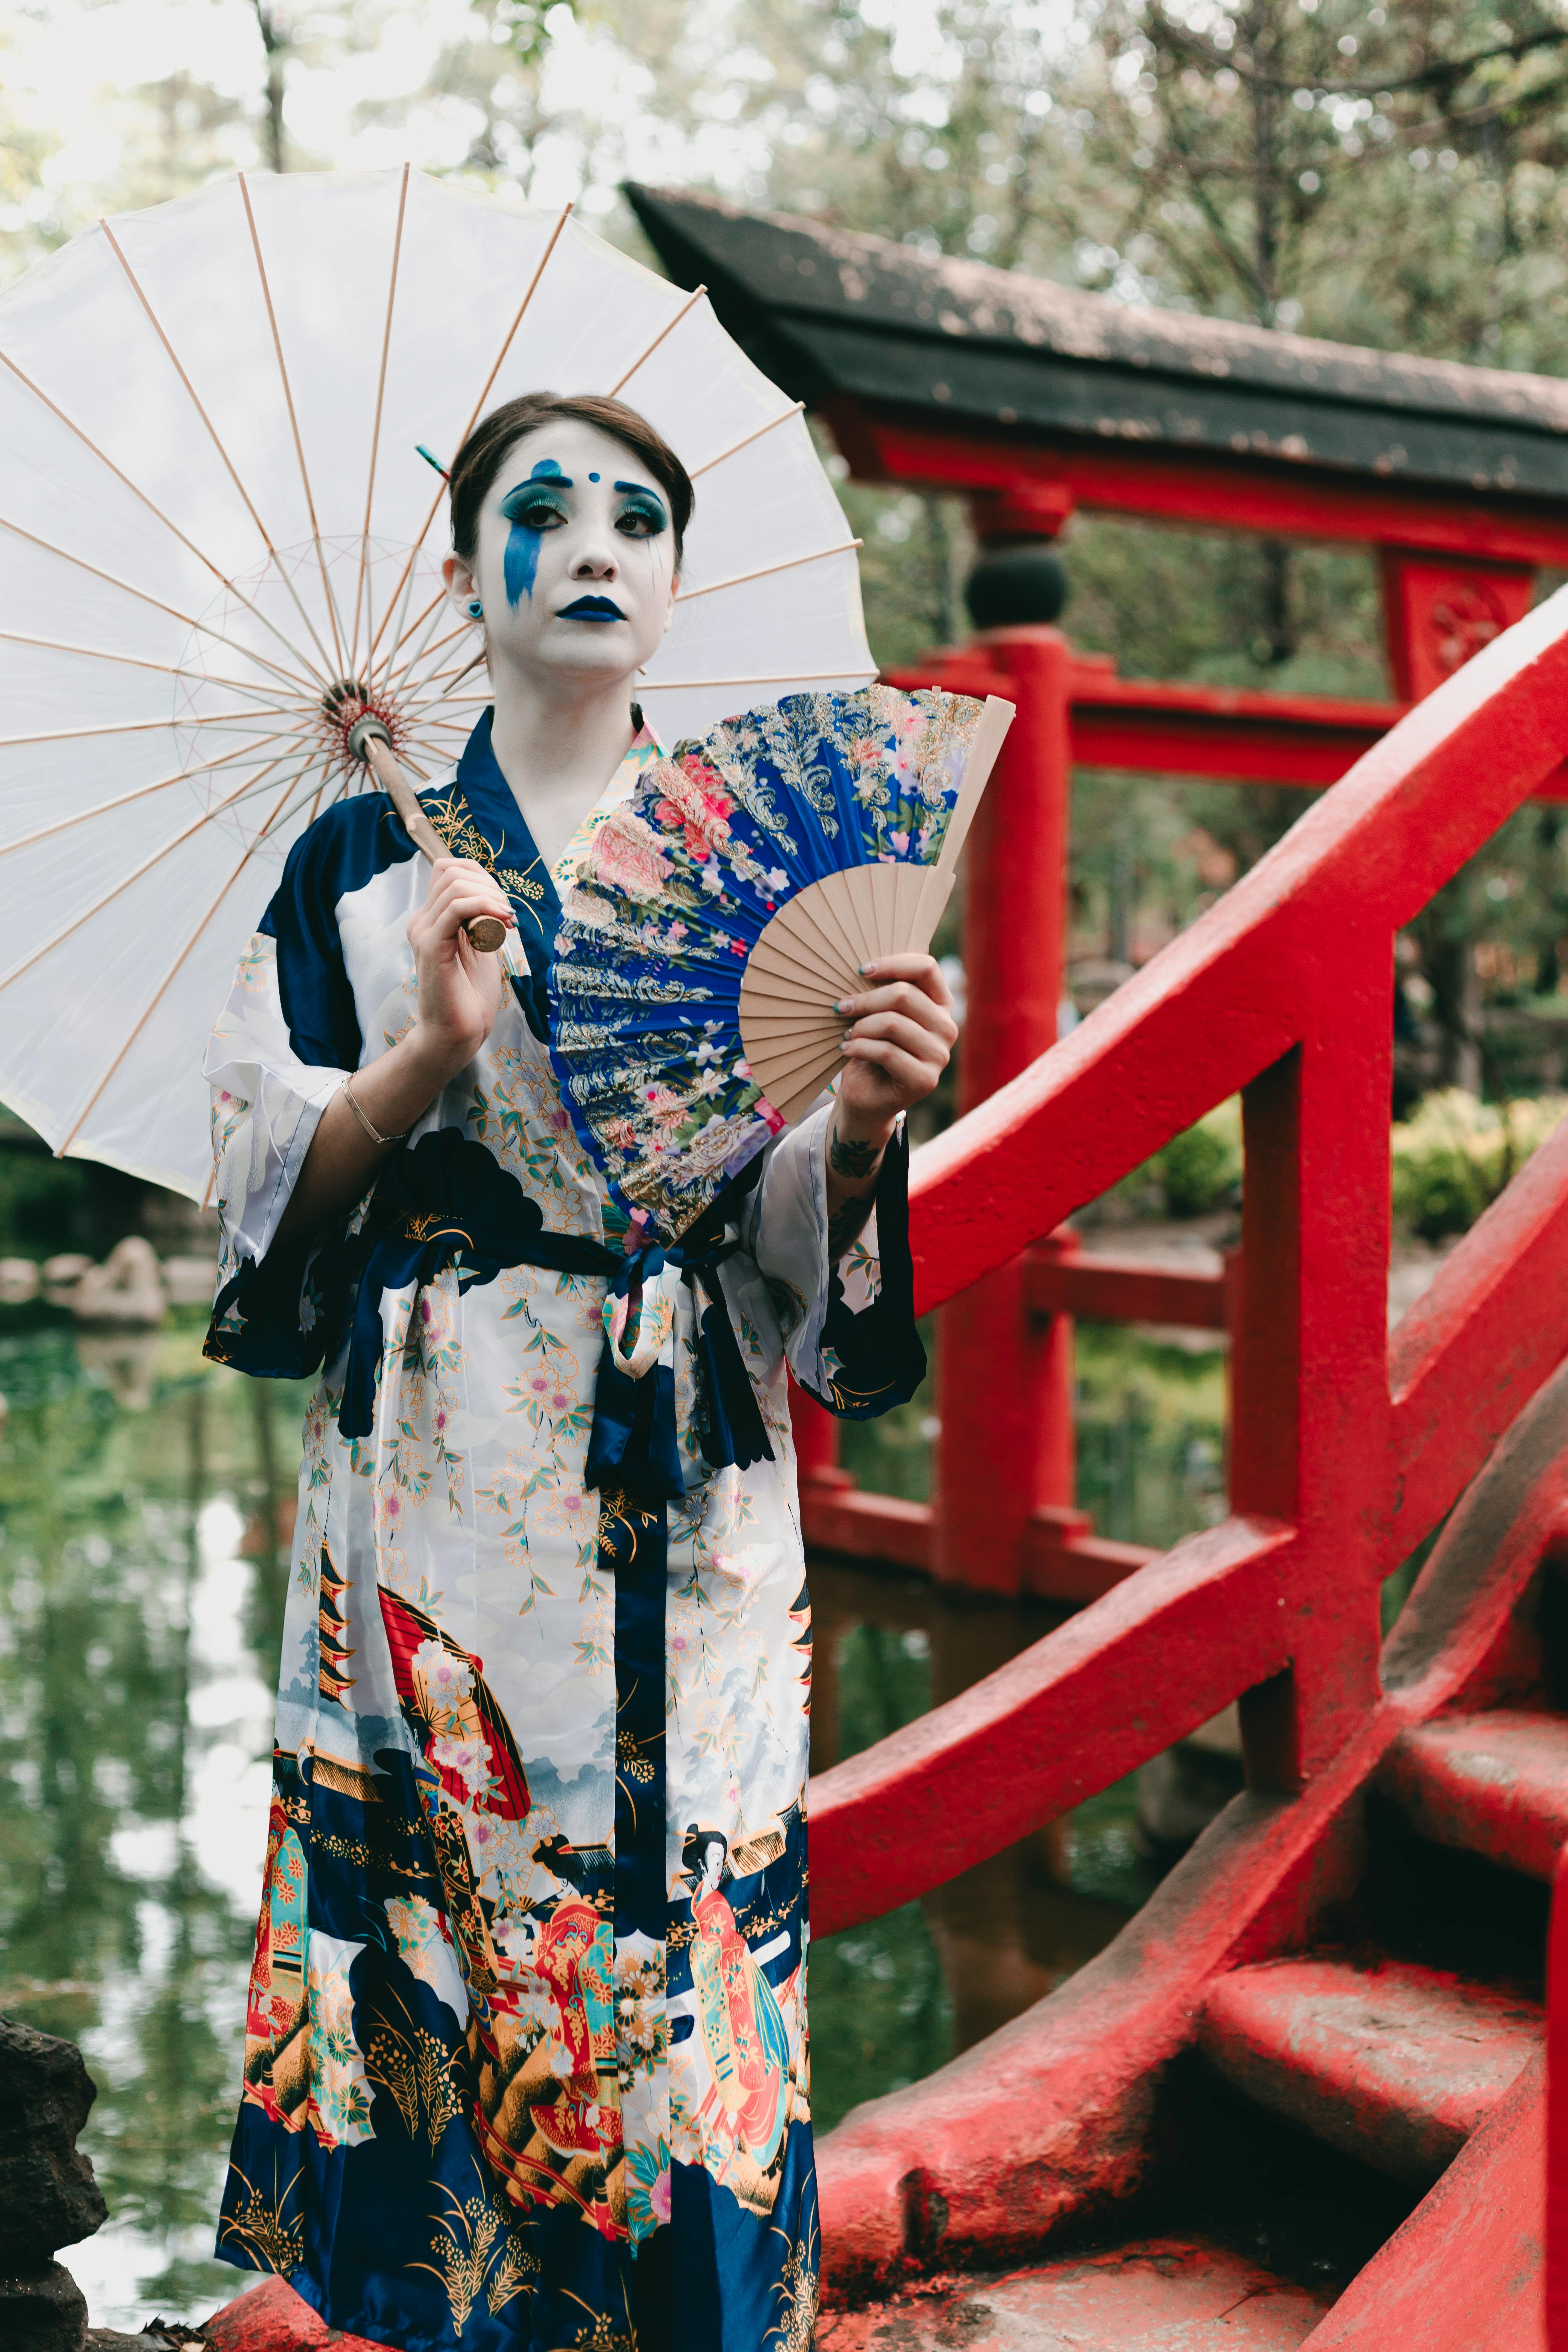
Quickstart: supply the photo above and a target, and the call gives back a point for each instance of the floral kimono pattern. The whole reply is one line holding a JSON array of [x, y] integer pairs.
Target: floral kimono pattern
[[526, 2051]]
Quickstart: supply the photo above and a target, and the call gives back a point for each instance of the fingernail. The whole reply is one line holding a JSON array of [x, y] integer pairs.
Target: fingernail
[[868, 968], [841, 1004], [847, 1038]]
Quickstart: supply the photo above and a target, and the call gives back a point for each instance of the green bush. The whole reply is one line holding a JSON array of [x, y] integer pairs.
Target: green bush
[[1456, 1155], [1449, 1161], [1200, 1170]]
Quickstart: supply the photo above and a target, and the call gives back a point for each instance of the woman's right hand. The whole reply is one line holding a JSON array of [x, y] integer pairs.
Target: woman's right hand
[[459, 988]]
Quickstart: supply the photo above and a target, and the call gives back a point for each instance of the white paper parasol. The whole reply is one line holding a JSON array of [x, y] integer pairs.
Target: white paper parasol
[[213, 515]]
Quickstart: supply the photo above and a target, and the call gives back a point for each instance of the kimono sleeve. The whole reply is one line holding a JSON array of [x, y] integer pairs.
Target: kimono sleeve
[[849, 1330], [284, 1044]]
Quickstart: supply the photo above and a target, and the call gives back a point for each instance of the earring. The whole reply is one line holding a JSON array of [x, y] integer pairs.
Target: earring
[[476, 610]]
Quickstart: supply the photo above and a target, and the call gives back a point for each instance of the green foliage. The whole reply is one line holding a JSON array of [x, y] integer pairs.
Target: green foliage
[[1456, 1155], [1450, 1161], [1198, 1171], [521, 25], [45, 1204]]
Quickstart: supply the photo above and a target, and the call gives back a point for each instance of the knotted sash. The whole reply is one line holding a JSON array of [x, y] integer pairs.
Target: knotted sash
[[447, 1201]]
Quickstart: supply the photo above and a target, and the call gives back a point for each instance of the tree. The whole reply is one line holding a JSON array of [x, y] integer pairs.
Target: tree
[[275, 27]]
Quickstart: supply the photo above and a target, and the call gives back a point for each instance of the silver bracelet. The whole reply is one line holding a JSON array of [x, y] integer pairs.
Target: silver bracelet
[[359, 1112]]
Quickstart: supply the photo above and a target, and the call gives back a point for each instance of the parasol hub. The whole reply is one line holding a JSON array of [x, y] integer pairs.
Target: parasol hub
[[355, 714], [367, 728]]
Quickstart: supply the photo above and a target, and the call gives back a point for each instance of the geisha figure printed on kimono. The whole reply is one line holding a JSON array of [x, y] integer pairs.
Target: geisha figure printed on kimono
[[526, 2044]]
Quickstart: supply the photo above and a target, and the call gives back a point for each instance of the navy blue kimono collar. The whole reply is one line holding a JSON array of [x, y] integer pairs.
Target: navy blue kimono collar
[[477, 818], [480, 800]]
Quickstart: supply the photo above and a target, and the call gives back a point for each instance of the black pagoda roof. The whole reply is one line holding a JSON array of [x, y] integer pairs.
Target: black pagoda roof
[[830, 313]]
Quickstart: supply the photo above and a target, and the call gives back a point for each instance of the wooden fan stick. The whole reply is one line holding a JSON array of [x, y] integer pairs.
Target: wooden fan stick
[[370, 740], [815, 946], [989, 736]]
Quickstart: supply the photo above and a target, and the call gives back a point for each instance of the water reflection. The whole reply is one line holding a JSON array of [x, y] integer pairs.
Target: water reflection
[[136, 1659], [1149, 1416], [894, 1999], [147, 1499]]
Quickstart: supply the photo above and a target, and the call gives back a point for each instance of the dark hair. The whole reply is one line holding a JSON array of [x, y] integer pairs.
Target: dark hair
[[478, 462], [694, 1850]]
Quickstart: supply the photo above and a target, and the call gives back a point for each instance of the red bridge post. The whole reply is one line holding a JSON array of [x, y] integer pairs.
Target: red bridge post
[[1006, 1375]]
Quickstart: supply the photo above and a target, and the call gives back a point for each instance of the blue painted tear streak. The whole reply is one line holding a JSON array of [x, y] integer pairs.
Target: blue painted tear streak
[[520, 566], [521, 563]]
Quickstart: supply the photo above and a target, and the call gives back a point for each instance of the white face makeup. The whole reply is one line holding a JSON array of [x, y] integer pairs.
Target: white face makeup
[[574, 565]]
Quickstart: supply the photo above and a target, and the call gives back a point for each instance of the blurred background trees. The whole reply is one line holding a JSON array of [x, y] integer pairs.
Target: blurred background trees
[[1388, 174]]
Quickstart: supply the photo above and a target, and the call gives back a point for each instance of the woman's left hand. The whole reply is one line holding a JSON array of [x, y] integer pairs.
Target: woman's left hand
[[899, 1035]]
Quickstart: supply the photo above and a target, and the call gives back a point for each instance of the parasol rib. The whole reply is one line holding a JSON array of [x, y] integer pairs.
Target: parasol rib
[[169, 978], [146, 726], [154, 508], [551, 244], [293, 422], [667, 328], [746, 440], [407, 672], [437, 684], [406, 627], [304, 720], [362, 588], [83, 916], [766, 570], [430, 616], [321, 789], [130, 661], [248, 502], [140, 792], [452, 676], [145, 595]]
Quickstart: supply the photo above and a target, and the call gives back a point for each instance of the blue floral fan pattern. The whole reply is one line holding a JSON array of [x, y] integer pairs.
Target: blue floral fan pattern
[[679, 884]]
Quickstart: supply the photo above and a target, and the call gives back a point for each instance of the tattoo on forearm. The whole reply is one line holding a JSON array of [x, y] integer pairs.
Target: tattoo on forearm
[[852, 1159], [845, 1224]]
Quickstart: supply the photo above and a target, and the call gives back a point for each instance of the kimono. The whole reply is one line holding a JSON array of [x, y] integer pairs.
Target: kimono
[[526, 2051]]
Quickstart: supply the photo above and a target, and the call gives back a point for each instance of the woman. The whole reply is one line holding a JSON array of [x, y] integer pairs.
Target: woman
[[530, 1640]]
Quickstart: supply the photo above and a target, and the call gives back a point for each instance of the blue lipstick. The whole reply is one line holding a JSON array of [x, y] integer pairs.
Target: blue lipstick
[[592, 608]]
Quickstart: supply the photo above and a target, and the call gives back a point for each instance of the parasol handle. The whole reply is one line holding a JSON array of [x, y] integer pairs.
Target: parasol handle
[[370, 740]]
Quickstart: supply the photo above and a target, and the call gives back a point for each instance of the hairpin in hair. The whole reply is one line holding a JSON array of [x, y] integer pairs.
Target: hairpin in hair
[[432, 460]]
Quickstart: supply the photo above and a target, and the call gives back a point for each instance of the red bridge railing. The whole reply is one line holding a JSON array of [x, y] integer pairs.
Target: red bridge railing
[[1346, 1448]]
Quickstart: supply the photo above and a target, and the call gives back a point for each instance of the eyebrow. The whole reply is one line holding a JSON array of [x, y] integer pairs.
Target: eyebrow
[[639, 486], [548, 474]]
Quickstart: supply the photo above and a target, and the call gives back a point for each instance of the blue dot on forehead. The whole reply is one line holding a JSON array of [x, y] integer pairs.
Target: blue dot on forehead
[[593, 478]]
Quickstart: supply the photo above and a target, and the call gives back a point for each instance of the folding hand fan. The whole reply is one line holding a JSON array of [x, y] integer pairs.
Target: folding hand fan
[[719, 915]]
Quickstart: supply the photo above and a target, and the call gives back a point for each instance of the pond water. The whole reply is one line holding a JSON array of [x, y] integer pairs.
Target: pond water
[[142, 1497]]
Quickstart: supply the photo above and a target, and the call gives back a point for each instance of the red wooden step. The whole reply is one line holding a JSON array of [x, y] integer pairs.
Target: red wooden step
[[272, 2318], [1392, 2063], [1160, 2294], [1495, 1784]]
